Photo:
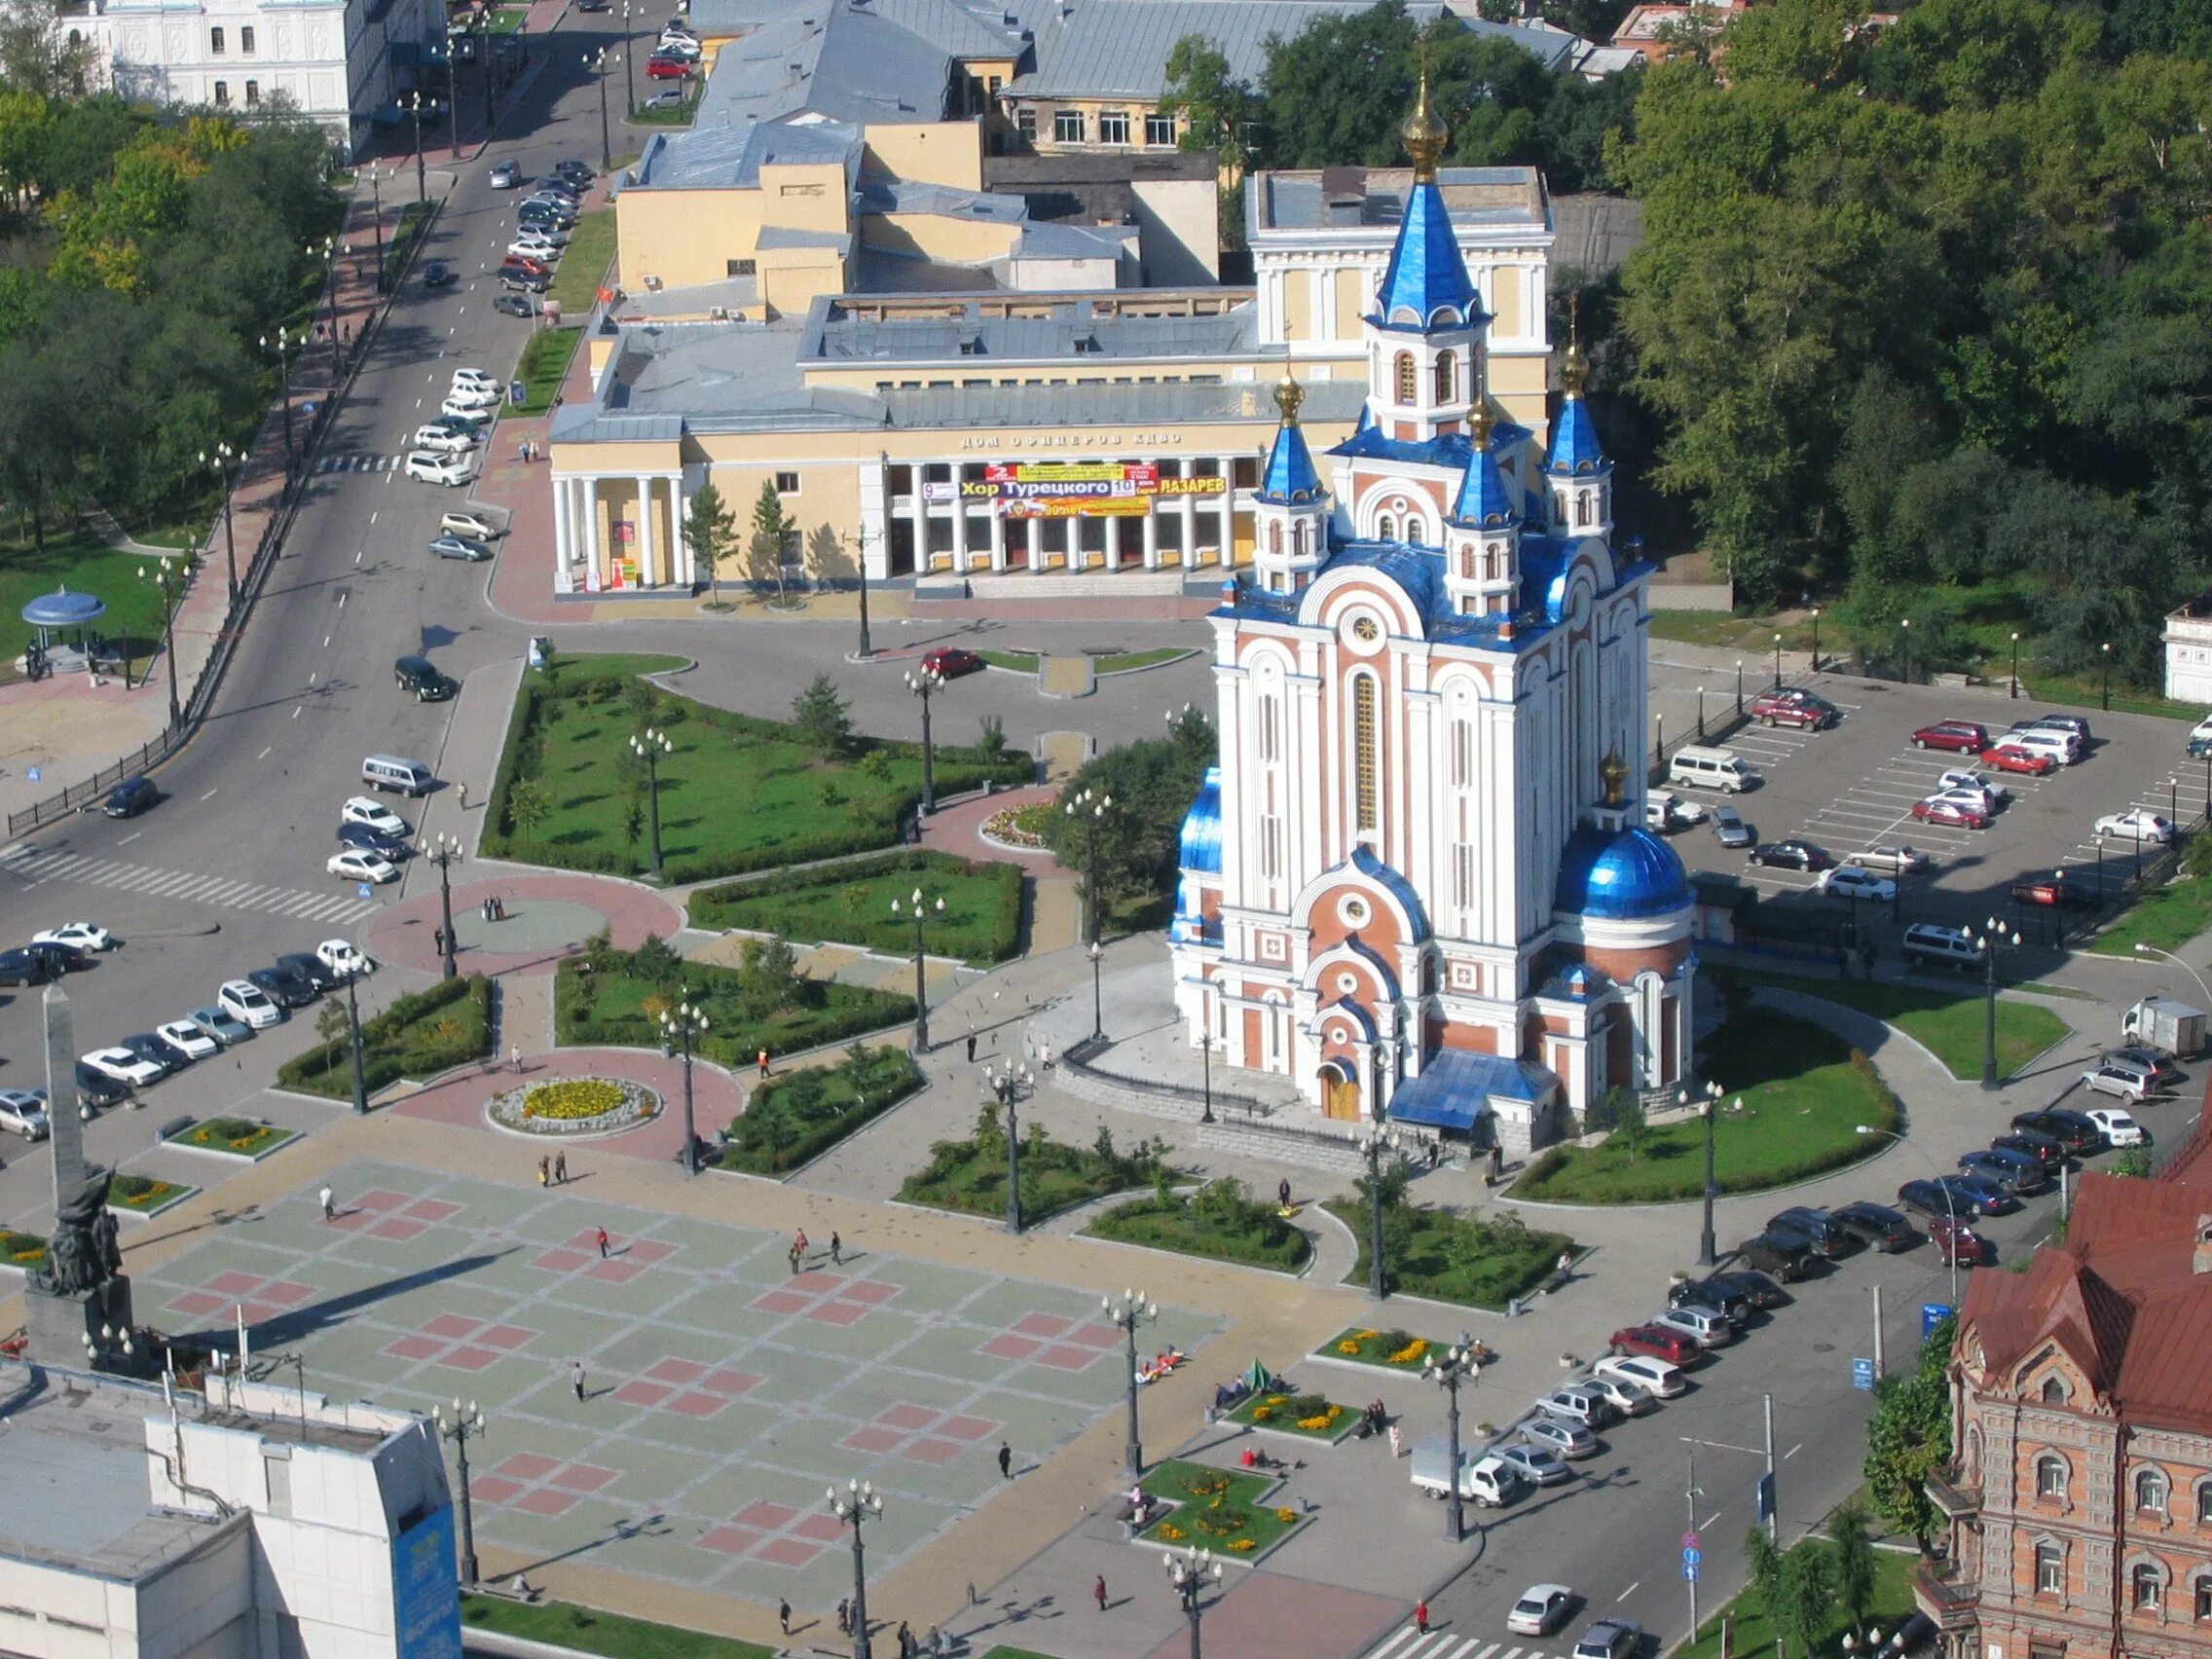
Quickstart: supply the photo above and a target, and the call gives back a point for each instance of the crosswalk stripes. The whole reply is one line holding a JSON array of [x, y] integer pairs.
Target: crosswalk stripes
[[36, 868], [355, 464], [1411, 1644]]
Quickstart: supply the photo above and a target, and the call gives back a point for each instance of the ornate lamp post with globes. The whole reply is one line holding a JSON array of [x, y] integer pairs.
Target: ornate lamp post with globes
[[916, 906], [1191, 1577], [1127, 1315], [856, 1504], [1455, 1368], [1005, 1089], [1372, 1147], [650, 746], [161, 574], [467, 1423], [1993, 934], [224, 464], [444, 850], [679, 1029], [925, 685]]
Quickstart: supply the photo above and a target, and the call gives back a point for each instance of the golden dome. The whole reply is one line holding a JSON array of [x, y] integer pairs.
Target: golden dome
[[1574, 372], [1425, 135], [1289, 394], [1613, 772]]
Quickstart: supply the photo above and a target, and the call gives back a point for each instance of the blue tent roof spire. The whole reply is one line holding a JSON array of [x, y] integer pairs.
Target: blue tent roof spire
[[1289, 478], [1576, 447], [1426, 285], [1484, 499]]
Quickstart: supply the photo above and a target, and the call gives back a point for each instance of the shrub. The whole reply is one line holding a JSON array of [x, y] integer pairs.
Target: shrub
[[752, 904], [419, 1035], [794, 1119]]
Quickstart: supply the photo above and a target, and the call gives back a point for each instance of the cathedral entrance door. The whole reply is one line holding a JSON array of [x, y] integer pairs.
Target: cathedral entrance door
[[1340, 1095]]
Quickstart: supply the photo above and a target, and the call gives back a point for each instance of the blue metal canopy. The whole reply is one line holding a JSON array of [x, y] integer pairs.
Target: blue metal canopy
[[1456, 1086], [64, 609]]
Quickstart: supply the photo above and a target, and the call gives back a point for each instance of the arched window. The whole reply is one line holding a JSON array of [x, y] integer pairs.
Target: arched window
[[2205, 1596], [2146, 1587], [1582, 510], [2051, 1477], [2053, 1391], [1407, 384], [2150, 1492], [1444, 377], [2204, 1503], [1300, 536], [1274, 535], [2051, 1570], [1365, 783], [1386, 529]]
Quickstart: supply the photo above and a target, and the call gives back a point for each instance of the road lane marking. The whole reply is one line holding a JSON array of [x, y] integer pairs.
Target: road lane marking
[[133, 836], [296, 708], [210, 794], [372, 518], [1626, 1594], [325, 646], [1709, 1519], [1793, 1450], [264, 755], [356, 555]]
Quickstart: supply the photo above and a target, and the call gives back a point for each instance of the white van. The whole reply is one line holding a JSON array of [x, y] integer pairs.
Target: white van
[[396, 772], [2062, 747], [1924, 941], [1697, 768]]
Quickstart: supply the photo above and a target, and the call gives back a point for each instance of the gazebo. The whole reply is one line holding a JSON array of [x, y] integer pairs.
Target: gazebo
[[55, 615]]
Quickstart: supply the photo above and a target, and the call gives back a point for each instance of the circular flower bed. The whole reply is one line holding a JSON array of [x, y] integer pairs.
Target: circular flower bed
[[575, 1106], [1018, 826]]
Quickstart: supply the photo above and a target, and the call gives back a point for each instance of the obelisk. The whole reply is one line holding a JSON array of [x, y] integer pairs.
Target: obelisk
[[65, 1122]]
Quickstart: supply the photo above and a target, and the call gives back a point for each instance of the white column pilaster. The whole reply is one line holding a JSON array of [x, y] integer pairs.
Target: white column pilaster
[[680, 509], [648, 574], [590, 542], [997, 521], [564, 511], [1152, 539]]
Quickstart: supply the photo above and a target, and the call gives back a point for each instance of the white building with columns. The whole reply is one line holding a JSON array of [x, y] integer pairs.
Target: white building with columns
[[1417, 882]]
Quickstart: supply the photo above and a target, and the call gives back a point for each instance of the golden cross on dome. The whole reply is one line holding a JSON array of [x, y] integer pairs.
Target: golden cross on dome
[[1289, 394], [1425, 134]]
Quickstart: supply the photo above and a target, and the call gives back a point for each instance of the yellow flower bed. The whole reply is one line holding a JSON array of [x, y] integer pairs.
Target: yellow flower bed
[[1261, 1413], [1411, 1352], [1243, 1546], [1348, 1346], [1287, 1516], [573, 1099], [1319, 1424], [1173, 1533]]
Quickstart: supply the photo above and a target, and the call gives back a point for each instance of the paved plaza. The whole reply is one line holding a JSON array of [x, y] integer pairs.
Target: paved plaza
[[721, 1391]]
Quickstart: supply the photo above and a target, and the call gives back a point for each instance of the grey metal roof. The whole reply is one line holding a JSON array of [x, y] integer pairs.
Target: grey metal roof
[[830, 57], [1017, 406], [1374, 197], [1069, 331], [1077, 241], [785, 236], [731, 158], [905, 196]]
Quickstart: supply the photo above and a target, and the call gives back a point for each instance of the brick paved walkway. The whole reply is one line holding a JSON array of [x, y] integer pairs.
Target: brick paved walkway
[[528, 939]]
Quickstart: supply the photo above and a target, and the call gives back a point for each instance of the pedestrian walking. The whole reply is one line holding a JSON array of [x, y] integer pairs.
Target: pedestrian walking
[[792, 1256], [461, 791], [514, 1054], [1421, 1615], [1099, 1592], [560, 1169], [602, 1243], [970, 1047], [763, 1062], [1283, 1191], [937, 1642], [845, 1616], [973, 1599], [1045, 1056], [784, 1615], [544, 1169], [1006, 1472], [906, 1641], [576, 1378], [836, 1251], [1394, 1433], [1497, 1166], [500, 907], [329, 1204], [485, 908], [1566, 1266]]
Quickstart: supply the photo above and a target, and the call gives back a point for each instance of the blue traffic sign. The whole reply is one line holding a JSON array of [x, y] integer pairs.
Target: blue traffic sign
[[1862, 1374], [1690, 1558], [1689, 1571], [30, 774], [1932, 1315], [363, 891]]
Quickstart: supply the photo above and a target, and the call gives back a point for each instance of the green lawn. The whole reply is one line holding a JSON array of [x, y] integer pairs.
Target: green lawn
[[1752, 635], [1313, 1416], [1128, 662], [584, 262], [1802, 1091], [565, 671], [797, 1116], [82, 564], [850, 904], [736, 793], [590, 1632], [970, 1177], [418, 1037], [508, 20], [678, 116], [600, 999], [1021, 662], [1752, 1635], [543, 366], [1216, 1509], [241, 1136], [1948, 1023], [1378, 1349], [144, 1195], [2166, 919], [25, 1250], [1223, 1228], [1450, 1257]]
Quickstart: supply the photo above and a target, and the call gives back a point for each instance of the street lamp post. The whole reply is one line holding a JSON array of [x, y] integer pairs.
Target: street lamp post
[[598, 62], [1815, 639], [678, 1032], [329, 251], [353, 1040], [167, 580], [282, 346], [629, 59], [1096, 952], [1993, 934], [2104, 694], [925, 685], [375, 197], [1005, 1089], [1778, 662], [2013, 690], [1127, 1315], [1206, 1074], [1455, 1367], [650, 746], [2142, 950], [1708, 1255], [1904, 650], [444, 850], [854, 1504], [918, 907], [224, 464], [422, 179], [1950, 1199], [465, 1424], [1190, 1579], [1089, 808], [1372, 1147]]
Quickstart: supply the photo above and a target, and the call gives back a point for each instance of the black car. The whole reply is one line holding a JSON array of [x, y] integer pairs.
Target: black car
[[2077, 1133], [515, 305], [59, 958], [1716, 1293], [2015, 1172], [2045, 1150], [97, 1088], [524, 281], [282, 986], [569, 168], [313, 969], [152, 1049], [1793, 854], [131, 798], [1884, 1229], [27, 967], [1816, 1227], [2161, 1066], [1788, 1256], [361, 838], [1762, 1292], [437, 274]]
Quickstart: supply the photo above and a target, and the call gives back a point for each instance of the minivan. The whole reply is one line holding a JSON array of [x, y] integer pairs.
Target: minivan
[[2131, 1083], [1788, 1256], [1699, 768], [1924, 941], [396, 772], [421, 678], [2062, 747]]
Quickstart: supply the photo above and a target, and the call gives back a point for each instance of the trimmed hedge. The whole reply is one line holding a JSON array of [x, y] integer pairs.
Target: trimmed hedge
[[419, 1036], [796, 1117], [732, 1038], [1221, 1221], [751, 904]]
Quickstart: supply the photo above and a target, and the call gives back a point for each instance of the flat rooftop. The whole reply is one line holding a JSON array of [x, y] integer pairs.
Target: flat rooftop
[[1313, 199]]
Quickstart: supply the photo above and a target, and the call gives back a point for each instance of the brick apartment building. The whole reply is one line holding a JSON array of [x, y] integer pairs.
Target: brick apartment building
[[2080, 1490]]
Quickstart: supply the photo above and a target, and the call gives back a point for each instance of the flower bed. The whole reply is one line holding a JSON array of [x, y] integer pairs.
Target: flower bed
[[1020, 827], [1313, 1417], [1389, 1350], [574, 1106], [1220, 1220], [142, 1194], [796, 1115], [232, 1137], [25, 1250], [1217, 1509], [419, 1035]]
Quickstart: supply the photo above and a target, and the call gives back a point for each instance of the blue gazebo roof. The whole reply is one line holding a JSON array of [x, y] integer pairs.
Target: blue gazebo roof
[[64, 609]]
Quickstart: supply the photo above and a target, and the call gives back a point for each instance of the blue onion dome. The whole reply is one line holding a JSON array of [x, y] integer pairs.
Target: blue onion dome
[[1200, 843], [1619, 875]]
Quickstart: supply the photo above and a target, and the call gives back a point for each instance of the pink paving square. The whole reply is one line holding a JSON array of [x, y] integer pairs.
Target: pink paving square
[[837, 1313], [416, 1347], [819, 1282], [1042, 1325], [1096, 1337], [873, 1438], [698, 1405], [821, 1529], [615, 1272], [873, 1292], [909, 1416], [649, 1250], [546, 1501], [453, 1325], [234, 1283], [288, 1293], [528, 1465], [768, 1517], [587, 1240], [432, 1210], [678, 1371], [353, 1219], [505, 1337], [470, 1358], [561, 1260], [583, 1477], [781, 1302], [936, 1452], [732, 1383], [787, 1552], [397, 1229], [379, 1200], [1067, 1358], [260, 1312], [1011, 1347], [967, 1428], [490, 1489], [636, 1394], [730, 1541], [193, 1303]]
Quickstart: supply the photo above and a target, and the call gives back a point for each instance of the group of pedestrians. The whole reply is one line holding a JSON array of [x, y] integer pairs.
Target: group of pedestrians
[[800, 1245], [553, 1169]]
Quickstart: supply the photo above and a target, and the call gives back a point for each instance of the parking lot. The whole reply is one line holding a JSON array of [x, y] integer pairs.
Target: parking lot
[[1854, 785]]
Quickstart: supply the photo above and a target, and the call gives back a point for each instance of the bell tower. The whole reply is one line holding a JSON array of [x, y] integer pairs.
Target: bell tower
[[1580, 478], [1290, 510]]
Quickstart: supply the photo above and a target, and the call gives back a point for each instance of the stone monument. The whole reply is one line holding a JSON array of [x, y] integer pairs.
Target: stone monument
[[81, 1290]]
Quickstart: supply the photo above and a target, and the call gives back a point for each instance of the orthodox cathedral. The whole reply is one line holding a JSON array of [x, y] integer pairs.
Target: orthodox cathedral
[[1417, 884]]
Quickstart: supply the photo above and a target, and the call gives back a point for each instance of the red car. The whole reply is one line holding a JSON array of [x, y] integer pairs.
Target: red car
[[2010, 758], [1792, 706], [950, 662], [1658, 1343], [1960, 736], [1954, 1238], [524, 265], [667, 69], [1956, 814]]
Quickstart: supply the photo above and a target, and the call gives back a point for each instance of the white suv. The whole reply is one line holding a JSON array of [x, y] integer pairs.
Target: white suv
[[373, 814], [243, 1000], [447, 469], [1849, 881]]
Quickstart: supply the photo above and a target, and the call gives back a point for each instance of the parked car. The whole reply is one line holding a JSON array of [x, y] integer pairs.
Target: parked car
[[445, 440], [1982, 1198], [1540, 1607], [470, 523], [27, 968], [437, 274], [77, 936], [1791, 706], [95, 1090], [1787, 1255], [1729, 828], [1610, 1639], [538, 247], [2130, 1084], [131, 798], [1708, 1327], [2012, 757], [1827, 1237], [1654, 1372], [23, 1112], [1584, 1406], [2159, 1065], [459, 547], [58, 959], [1876, 1225], [248, 1004], [524, 281], [2077, 1131], [185, 1042], [2009, 1173], [659, 68], [1762, 1292], [1895, 857], [373, 814], [1630, 1399], [2119, 1127], [1655, 1342], [222, 1025], [429, 468], [2058, 890], [2045, 1149], [1850, 881], [361, 838], [1955, 1237], [124, 1064], [2076, 726], [1533, 1464], [514, 304], [282, 987], [1666, 812], [1962, 737], [343, 960], [674, 99], [1950, 813], [2135, 825], [1562, 1439], [1793, 854], [950, 662], [505, 175], [310, 966], [354, 865]]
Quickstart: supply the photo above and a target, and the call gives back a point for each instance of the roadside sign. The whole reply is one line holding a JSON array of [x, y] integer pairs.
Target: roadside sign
[[1932, 1315], [364, 891], [1766, 1497], [1689, 1540], [1689, 1571], [30, 774], [1691, 1557], [1862, 1375], [518, 392]]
